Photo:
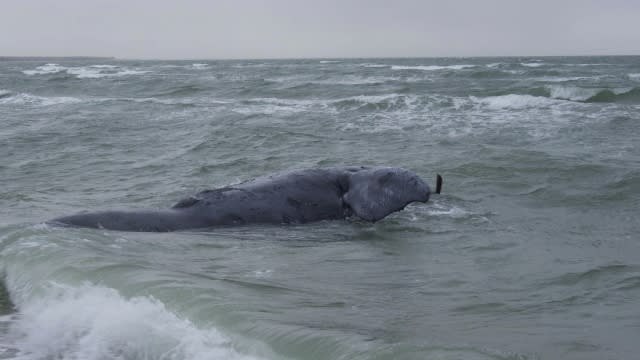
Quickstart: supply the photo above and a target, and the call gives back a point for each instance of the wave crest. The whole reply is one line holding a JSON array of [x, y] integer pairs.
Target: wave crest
[[84, 72], [431, 67], [92, 322], [9, 98]]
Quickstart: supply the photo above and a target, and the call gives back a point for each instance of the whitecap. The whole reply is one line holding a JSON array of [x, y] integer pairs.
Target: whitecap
[[92, 73], [329, 61], [84, 72], [374, 65], [199, 65], [29, 99], [634, 76], [94, 322], [563, 79], [532, 64], [514, 101], [104, 66], [49, 68], [572, 92], [431, 67]]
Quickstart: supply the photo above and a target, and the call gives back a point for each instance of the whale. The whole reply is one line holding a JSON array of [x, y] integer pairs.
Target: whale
[[293, 197]]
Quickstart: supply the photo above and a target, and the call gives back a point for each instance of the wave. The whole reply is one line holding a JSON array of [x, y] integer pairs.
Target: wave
[[180, 91], [595, 95], [94, 322], [45, 69], [367, 65], [329, 61], [634, 76], [384, 102], [556, 94], [431, 67], [630, 96], [84, 72], [515, 101], [9, 98], [532, 64], [199, 65], [564, 79], [375, 102]]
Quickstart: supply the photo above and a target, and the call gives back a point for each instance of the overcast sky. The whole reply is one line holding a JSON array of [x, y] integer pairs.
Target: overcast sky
[[214, 29]]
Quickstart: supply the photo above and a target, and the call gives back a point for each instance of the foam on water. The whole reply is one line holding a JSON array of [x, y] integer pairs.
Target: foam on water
[[50, 68], [634, 76], [532, 64], [84, 72], [431, 67], [374, 65], [514, 102], [572, 92], [563, 79], [94, 322], [34, 100]]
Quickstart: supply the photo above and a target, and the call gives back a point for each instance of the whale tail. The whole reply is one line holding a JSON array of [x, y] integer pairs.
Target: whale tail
[[438, 183]]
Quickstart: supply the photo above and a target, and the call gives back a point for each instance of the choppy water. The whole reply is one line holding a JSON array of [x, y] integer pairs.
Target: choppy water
[[531, 252]]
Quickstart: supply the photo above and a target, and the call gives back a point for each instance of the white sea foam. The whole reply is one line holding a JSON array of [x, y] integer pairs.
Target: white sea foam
[[29, 99], [4, 93], [352, 80], [329, 61], [275, 105], [431, 67], [45, 69], [572, 93], [597, 64], [532, 64], [453, 211], [271, 106], [103, 66], [494, 65], [84, 72], [93, 322], [563, 79], [634, 76], [514, 102], [374, 65], [199, 65]]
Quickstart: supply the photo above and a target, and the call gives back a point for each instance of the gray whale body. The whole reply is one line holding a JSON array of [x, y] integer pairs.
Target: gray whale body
[[301, 196]]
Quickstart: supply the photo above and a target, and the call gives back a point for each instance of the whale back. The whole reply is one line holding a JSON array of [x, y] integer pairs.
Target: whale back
[[377, 192]]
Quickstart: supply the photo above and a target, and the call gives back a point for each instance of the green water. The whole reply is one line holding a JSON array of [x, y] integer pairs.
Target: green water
[[531, 252]]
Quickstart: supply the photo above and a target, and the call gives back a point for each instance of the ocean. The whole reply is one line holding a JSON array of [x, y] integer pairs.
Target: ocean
[[531, 251]]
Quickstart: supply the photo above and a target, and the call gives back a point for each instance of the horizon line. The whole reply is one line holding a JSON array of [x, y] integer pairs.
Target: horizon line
[[36, 57]]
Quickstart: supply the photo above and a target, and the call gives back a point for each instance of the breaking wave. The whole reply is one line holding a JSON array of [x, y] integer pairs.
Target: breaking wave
[[431, 67], [514, 101], [84, 72], [532, 64], [9, 98], [595, 95], [94, 322]]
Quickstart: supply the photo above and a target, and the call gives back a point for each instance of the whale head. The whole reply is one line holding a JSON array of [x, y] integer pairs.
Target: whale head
[[374, 193]]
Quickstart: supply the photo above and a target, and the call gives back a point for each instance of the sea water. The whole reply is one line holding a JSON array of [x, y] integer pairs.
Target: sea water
[[531, 251]]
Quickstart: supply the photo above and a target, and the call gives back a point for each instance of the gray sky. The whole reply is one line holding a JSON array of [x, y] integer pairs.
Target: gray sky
[[191, 29]]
